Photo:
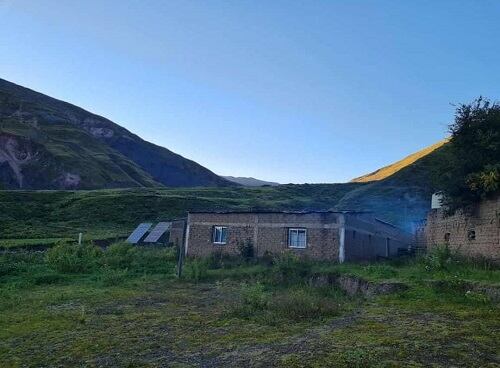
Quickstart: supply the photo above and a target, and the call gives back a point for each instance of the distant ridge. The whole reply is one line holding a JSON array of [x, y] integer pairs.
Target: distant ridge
[[249, 181], [391, 169]]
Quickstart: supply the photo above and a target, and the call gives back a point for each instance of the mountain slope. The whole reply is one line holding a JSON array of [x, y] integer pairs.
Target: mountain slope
[[249, 181], [46, 143], [403, 197], [391, 169]]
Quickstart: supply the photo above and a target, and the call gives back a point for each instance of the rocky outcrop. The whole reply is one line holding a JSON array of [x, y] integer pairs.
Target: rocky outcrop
[[16, 152]]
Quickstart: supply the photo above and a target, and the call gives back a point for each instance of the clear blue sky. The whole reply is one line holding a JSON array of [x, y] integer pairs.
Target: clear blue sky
[[290, 91]]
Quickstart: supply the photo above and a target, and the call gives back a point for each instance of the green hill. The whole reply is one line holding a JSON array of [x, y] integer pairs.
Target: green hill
[[50, 144]]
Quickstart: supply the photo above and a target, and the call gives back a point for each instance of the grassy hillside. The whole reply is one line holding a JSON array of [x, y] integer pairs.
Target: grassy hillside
[[109, 213], [391, 169], [112, 213], [50, 144]]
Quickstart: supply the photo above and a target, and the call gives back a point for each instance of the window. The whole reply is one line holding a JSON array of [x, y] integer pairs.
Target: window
[[219, 235], [447, 237], [354, 234], [471, 235], [297, 238]]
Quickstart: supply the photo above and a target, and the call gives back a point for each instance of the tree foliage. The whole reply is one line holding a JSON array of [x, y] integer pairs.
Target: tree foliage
[[472, 171]]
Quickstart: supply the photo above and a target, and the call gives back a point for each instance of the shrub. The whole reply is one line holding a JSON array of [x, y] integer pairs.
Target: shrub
[[120, 255], [289, 268], [154, 260], [196, 270], [437, 259], [246, 250], [218, 259], [68, 258], [254, 296]]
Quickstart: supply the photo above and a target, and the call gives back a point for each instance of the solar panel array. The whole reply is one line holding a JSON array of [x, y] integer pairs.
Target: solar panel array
[[139, 232], [157, 232]]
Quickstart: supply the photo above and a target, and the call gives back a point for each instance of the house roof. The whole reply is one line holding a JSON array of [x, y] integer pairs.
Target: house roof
[[282, 212]]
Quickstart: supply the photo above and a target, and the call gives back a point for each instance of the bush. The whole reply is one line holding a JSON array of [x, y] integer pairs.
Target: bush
[[289, 268], [120, 255], [196, 270], [68, 258], [219, 259], [254, 296], [437, 259], [246, 250]]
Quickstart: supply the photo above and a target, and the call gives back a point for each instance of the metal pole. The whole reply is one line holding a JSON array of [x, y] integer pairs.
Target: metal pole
[[180, 261]]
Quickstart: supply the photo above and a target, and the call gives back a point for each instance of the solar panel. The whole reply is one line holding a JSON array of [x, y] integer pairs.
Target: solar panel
[[138, 233], [157, 232]]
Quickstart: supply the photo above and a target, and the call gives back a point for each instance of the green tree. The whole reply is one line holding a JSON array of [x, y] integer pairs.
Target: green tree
[[472, 171]]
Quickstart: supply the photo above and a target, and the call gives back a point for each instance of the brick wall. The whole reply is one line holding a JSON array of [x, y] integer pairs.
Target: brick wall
[[267, 232], [176, 236], [484, 220], [365, 237]]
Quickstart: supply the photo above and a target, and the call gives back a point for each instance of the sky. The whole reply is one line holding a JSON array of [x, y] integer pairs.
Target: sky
[[287, 91]]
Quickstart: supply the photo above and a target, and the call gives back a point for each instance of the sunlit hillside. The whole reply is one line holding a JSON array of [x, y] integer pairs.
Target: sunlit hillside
[[388, 170]]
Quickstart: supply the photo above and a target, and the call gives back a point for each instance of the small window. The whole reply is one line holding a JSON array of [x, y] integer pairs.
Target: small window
[[447, 237], [471, 235], [219, 235], [354, 234], [297, 238]]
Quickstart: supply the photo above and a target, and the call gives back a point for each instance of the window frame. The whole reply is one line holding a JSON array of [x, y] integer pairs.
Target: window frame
[[223, 230], [298, 230]]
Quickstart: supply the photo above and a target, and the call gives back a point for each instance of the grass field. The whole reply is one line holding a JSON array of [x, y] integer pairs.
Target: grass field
[[87, 307]]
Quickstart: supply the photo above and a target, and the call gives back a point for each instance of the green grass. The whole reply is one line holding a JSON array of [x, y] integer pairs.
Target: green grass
[[27, 243], [125, 307]]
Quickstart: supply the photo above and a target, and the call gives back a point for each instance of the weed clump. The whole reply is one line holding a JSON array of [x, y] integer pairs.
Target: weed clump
[[290, 269], [69, 258], [270, 305], [119, 255], [196, 270]]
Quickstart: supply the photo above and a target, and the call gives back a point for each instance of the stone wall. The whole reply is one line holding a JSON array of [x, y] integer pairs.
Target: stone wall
[[475, 234]]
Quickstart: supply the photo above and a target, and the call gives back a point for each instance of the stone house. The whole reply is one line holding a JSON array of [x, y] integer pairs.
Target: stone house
[[474, 234], [322, 235]]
